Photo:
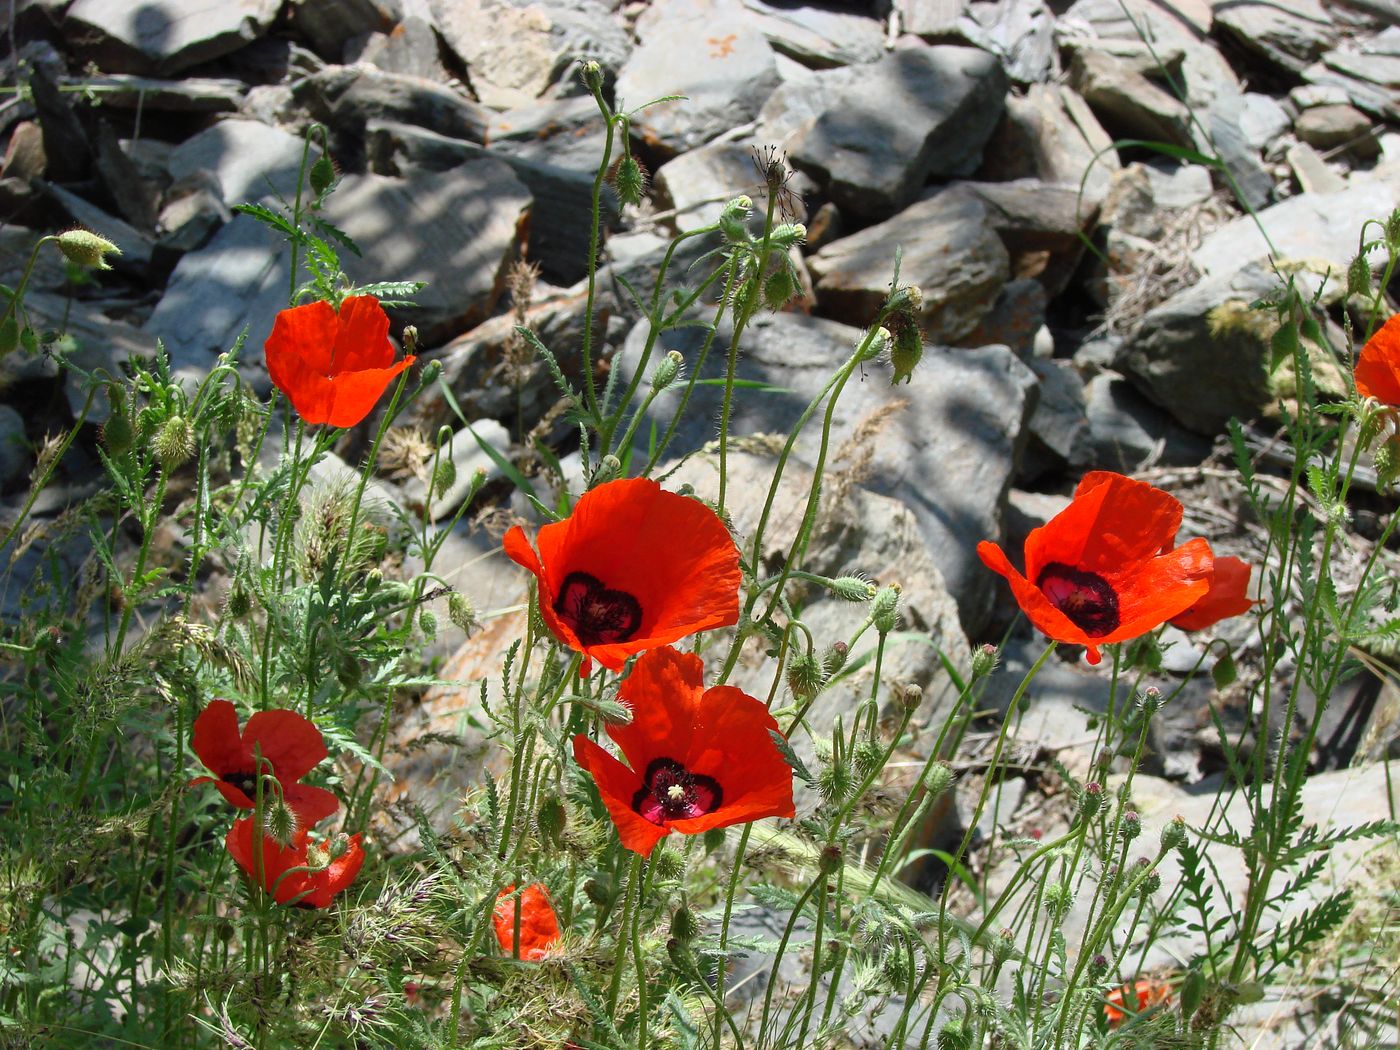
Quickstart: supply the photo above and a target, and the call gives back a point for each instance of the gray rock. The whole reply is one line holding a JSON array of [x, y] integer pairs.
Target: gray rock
[[153, 94], [410, 48], [1178, 186], [1155, 58], [163, 36], [1312, 172], [565, 133], [328, 24], [67, 149], [931, 19], [1040, 223], [1059, 427], [817, 37], [953, 476], [1290, 34], [456, 230], [1015, 319], [24, 153], [557, 240], [1127, 102], [697, 184], [915, 114], [950, 250], [14, 446], [724, 69], [193, 211], [1128, 432], [1305, 96], [1261, 121], [1366, 63], [1227, 118], [134, 195], [248, 160], [1019, 32], [1337, 127]]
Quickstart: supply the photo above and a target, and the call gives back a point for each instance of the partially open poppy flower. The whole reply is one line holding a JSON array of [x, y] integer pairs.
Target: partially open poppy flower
[[633, 567], [1147, 991], [1103, 570], [333, 367], [1378, 365], [290, 747], [329, 867], [700, 758], [539, 926], [1229, 584]]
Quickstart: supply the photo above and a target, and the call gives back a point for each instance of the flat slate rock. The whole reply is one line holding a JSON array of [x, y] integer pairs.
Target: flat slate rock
[[950, 251], [188, 95], [1051, 134], [1289, 34], [457, 230], [917, 113], [250, 161], [946, 448], [699, 183], [818, 37], [163, 36]]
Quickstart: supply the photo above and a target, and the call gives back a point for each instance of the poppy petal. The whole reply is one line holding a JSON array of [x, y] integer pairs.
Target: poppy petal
[[324, 885], [311, 804], [362, 337], [289, 741], [1229, 586], [539, 926], [1112, 521], [216, 739], [732, 742], [518, 550], [277, 860], [1378, 365], [1038, 608], [302, 336], [664, 691], [618, 786], [353, 395], [1162, 588], [236, 796]]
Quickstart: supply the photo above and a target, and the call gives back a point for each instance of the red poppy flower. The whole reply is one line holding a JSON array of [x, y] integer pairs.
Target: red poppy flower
[[539, 927], [1378, 365], [326, 874], [633, 567], [700, 758], [288, 743], [1103, 569], [1147, 991], [333, 367], [1226, 597]]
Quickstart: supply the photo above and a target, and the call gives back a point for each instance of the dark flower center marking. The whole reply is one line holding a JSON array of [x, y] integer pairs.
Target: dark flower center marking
[[597, 614], [1085, 597], [244, 782], [669, 791]]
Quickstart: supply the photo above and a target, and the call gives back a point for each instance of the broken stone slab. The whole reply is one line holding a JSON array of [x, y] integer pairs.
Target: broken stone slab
[[797, 103], [410, 48], [248, 160], [952, 475], [1060, 437], [163, 36], [1149, 58], [1015, 319], [724, 69], [1288, 34], [951, 251], [1226, 119], [328, 24], [1041, 224], [697, 184], [1341, 127], [1127, 102], [818, 37], [134, 195], [1127, 432], [1370, 98], [154, 94], [457, 230], [1312, 172], [1019, 32], [24, 153], [67, 148], [915, 114], [557, 240]]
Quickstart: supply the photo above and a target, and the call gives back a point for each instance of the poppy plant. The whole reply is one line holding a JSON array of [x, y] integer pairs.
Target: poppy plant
[[301, 872], [539, 926], [290, 747], [699, 758], [1103, 570], [1378, 365], [333, 367], [1146, 991], [1229, 584], [633, 567]]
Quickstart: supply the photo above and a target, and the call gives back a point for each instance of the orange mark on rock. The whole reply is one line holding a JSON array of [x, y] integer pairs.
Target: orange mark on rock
[[723, 45]]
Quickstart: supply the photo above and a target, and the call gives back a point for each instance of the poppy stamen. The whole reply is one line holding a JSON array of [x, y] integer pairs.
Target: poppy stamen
[[244, 782], [1085, 597], [596, 613], [671, 792]]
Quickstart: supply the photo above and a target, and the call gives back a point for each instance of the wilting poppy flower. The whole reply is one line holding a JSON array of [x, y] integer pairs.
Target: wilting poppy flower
[[1147, 991], [700, 758], [1226, 597], [1378, 365], [290, 747], [539, 927], [633, 567], [333, 367], [1103, 569], [326, 872]]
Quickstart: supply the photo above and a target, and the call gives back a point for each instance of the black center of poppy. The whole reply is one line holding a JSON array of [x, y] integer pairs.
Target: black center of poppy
[[244, 782], [669, 791], [597, 614], [1085, 597]]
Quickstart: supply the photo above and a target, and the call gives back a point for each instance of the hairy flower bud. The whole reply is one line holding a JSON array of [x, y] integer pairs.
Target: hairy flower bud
[[984, 660], [787, 235], [1173, 834], [117, 434], [444, 477], [427, 623], [1359, 277], [1058, 898], [829, 863], [1091, 799], [868, 756], [668, 370], [629, 180], [1098, 966], [1003, 945], [279, 821], [851, 588], [906, 351], [592, 74], [461, 613], [1131, 827], [552, 819], [778, 288], [239, 602], [1151, 884], [734, 219], [834, 658], [684, 925], [1151, 700], [431, 371], [322, 175], [911, 696], [938, 779], [954, 1035], [804, 676], [885, 615], [609, 467], [173, 443], [86, 249], [668, 863]]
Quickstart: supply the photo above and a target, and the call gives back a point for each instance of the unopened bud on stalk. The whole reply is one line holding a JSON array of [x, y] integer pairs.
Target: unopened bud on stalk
[[954, 1035], [787, 235], [877, 343], [908, 299], [834, 658], [1174, 834], [1003, 945], [1359, 277], [552, 819], [629, 180], [444, 477], [431, 371], [86, 248], [173, 443], [117, 434], [984, 660], [668, 863], [613, 713], [592, 74], [885, 615], [684, 926], [734, 219], [410, 346], [322, 175], [1151, 700], [1091, 801], [911, 696], [804, 676], [668, 370], [1103, 761], [1098, 966], [279, 821], [609, 467], [1058, 898], [427, 623], [1131, 827], [461, 613], [868, 756], [239, 602], [678, 953], [938, 779], [852, 588], [830, 861], [906, 351], [778, 288], [1151, 884]]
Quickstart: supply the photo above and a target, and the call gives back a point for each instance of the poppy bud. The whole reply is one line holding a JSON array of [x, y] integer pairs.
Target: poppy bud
[[86, 249], [1091, 800], [830, 861], [676, 950], [322, 175], [684, 926], [1359, 277], [911, 696], [885, 615], [1098, 966], [117, 434], [787, 235], [1151, 700], [1173, 834], [778, 288], [876, 343], [373, 578], [629, 180], [1387, 462], [1151, 884], [667, 371], [610, 712], [552, 819], [599, 890], [431, 370], [1131, 827], [851, 588], [734, 219], [1003, 945], [804, 676], [984, 660], [668, 863], [834, 658], [609, 467], [173, 443], [279, 822], [906, 300], [834, 782], [461, 613], [427, 623], [1103, 761], [1058, 898], [239, 602], [954, 1035], [938, 779], [592, 74], [868, 757]]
